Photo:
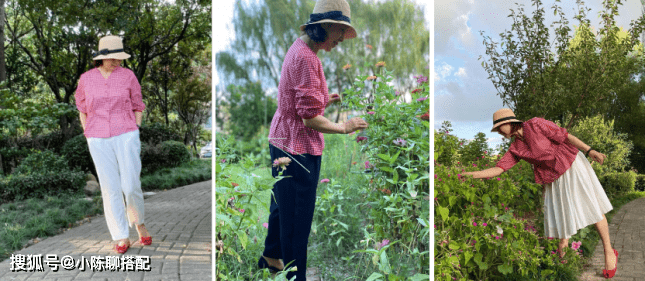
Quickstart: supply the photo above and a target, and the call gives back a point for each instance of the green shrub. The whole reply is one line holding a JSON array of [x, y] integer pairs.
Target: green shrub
[[77, 153], [618, 182], [446, 145], [640, 182], [41, 162], [167, 154], [156, 133], [475, 149], [37, 185], [600, 135]]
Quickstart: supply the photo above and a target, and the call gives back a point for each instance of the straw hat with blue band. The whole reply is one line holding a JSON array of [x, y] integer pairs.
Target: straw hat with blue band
[[332, 11], [110, 47], [502, 117]]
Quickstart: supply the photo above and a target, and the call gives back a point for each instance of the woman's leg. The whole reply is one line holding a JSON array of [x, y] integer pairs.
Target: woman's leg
[[128, 151], [272, 246], [603, 230], [106, 164]]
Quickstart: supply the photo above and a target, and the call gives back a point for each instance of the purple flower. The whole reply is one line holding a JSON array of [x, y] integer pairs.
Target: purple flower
[[384, 243], [223, 161], [371, 112], [360, 139], [422, 98], [421, 79], [324, 180], [367, 165], [397, 93]]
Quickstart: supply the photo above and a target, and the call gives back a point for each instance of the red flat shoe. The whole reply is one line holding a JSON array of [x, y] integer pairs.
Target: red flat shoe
[[146, 240], [121, 249], [610, 273]]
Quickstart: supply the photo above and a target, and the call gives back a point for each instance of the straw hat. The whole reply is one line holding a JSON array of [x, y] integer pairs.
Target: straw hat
[[502, 117], [110, 47], [332, 11]]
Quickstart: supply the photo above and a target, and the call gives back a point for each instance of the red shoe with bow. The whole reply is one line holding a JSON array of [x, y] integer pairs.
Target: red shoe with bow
[[610, 273]]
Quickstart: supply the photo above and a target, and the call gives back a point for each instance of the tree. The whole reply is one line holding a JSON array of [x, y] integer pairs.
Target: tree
[[580, 78], [3, 67], [474, 149], [246, 106]]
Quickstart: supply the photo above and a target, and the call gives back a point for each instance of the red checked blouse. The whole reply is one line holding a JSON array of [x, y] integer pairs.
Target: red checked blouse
[[302, 94], [109, 103], [546, 146]]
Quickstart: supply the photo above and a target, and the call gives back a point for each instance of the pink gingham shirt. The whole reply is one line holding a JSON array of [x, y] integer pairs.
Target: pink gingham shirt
[[546, 146], [109, 103], [302, 94]]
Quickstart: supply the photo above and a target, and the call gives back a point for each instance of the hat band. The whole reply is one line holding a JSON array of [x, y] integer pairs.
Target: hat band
[[104, 52], [503, 119], [331, 15]]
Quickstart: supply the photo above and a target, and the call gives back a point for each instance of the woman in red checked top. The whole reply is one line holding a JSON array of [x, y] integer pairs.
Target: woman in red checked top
[[574, 197], [297, 134], [110, 104]]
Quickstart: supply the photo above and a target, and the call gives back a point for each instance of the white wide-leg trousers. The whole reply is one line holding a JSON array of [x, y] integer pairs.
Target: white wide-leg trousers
[[118, 165]]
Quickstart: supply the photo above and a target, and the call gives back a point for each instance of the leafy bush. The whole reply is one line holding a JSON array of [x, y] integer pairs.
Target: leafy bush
[[640, 182], [474, 149], [600, 135], [77, 153], [618, 182], [167, 154], [20, 186], [41, 162], [446, 145], [156, 133]]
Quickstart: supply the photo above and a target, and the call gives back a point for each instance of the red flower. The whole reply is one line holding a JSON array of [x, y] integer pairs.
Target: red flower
[[416, 91], [234, 184]]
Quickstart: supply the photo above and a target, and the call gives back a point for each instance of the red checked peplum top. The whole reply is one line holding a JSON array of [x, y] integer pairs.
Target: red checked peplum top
[[546, 146], [302, 94]]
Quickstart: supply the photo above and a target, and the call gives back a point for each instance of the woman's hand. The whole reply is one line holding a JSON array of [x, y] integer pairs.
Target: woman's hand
[[597, 156], [332, 99], [354, 124]]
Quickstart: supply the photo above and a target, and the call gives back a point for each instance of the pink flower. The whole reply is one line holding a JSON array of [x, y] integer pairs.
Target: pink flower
[[502, 204], [506, 208], [266, 225], [367, 165], [485, 224], [371, 112], [399, 142], [241, 210], [422, 98], [421, 79], [499, 179], [232, 198], [324, 180], [576, 245], [474, 224], [223, 161], [552, 252], [474, 165], [360, 139], [435, 176], [384, 243], [497, 237]]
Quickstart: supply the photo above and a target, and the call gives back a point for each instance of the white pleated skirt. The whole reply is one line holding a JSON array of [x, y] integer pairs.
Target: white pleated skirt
[[573, 201]]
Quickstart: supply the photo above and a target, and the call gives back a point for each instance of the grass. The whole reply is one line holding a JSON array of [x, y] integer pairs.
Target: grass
[[197, 170], [27, 219]]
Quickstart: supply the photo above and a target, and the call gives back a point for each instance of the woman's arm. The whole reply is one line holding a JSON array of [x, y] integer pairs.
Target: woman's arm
[[595, 155], [83, 117], [138, 116], [323, 125], [488, 173]]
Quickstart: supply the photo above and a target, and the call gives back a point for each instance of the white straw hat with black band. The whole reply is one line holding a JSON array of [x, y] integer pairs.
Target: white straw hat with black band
[[332, 11], [110, 47]]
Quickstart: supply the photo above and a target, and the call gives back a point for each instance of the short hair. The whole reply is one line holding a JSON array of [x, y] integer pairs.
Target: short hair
[[515, 126], [97, 63], [316, 32]]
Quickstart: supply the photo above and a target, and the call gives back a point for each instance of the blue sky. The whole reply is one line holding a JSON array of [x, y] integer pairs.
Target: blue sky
[[463, 94]]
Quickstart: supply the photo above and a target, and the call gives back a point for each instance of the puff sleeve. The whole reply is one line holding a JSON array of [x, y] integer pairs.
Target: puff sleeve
[[310, 99], [135, 94], [550, 130], [79, 96], [508, 160]]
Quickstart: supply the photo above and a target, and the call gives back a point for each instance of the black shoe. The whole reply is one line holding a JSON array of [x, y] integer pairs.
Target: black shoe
[[262, 263]]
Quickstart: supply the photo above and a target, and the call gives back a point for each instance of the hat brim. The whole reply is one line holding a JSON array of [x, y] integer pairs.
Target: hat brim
[[351, 32], [496, 127], [116, 56]]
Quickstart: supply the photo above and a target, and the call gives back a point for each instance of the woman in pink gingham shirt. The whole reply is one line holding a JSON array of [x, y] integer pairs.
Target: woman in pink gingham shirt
[[109, 100], [573, 196], [296, 135]]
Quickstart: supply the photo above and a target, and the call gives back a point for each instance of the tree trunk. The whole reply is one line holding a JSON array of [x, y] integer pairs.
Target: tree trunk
[[3, 66]]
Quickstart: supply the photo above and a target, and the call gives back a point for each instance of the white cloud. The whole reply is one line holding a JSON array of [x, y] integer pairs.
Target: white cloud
[[461, 72], [445, 71], [435, 75]]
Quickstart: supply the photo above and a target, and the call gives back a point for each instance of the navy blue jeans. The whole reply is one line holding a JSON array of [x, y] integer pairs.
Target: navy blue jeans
[[292, 211]]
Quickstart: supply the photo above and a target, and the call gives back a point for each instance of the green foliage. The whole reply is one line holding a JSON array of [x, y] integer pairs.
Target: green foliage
[[167, 154], [601, 136], [37, 185], [41, 162], [191, 172], [175, 153], [640, 182], [249, 109], [527, 71], [618, 183], [446, 145], [474, 149], [77, 153], [156, 133]]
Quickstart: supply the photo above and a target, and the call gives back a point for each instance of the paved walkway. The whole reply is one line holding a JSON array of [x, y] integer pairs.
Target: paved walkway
[[179, 221], [627, 234]]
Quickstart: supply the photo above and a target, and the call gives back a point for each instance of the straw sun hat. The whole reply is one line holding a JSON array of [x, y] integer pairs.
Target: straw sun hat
[[502, 117], [332, 11], [110, 47]]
